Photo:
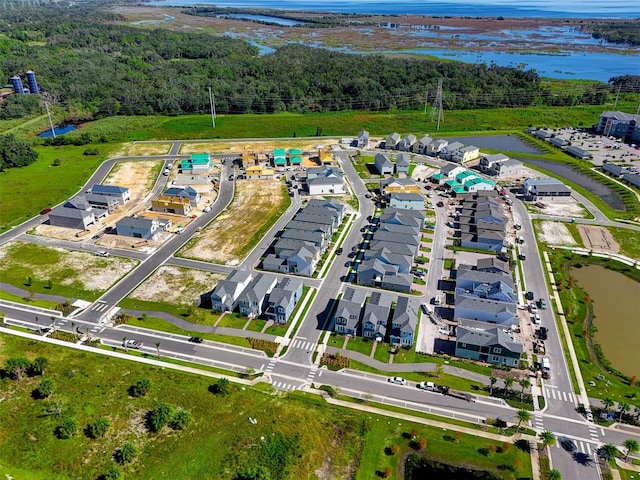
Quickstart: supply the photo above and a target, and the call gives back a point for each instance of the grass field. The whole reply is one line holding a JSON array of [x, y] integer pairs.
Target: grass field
[[201, 316], [629, 241], [329, 442]]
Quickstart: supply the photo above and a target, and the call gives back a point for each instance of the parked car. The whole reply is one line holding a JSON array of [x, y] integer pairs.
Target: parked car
[[543, 304], [427, 386], [517, 226], [101, 253], [589, 415], [45, 211], [568, 444], [397, 380], [440, 204], [339, 251], [522, 256], [533, 308], [136, 344], [196, 339], [543, 333], [529, 295]]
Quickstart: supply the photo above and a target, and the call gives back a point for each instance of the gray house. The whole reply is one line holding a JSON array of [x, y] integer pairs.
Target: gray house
[[253, 299], [402, 163], [421, 145], [404, 322], [391, 143], [363, 139], [102, 202], [407, 143], [121, 193], [225, 295], [186, 192], [283, 299], [406, 201], [63, 216], [138, 227], [383, 165], [487, 344], [487, 162], [347, 316], [545, 189], [376, 316], [470, 307]]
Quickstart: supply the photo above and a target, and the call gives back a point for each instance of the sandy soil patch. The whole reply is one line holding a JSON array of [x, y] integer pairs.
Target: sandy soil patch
[[224, 239], [80, 270], [257, 146], [176, 285], [555, 233], [598, 238], [570, 208], [141, 149]]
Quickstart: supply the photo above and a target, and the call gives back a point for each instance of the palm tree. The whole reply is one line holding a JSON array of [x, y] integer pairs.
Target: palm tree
[[53, 323], [523, 416], [124, 343], [632, 446], [508, 383], [554, 475], [38, 323], [609, 451], [608, 403], [624, 408], [548, 439], [158, 349], [524, 383], [492, 380]]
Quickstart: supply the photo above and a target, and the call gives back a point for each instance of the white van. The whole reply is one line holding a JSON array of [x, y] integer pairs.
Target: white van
[[436, 300], [166, 172]]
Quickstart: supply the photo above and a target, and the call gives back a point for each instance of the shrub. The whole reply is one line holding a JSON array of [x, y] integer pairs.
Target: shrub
[[265, 345], [181, 420], [127, 453], [98, 427], [114, 473], [45, 388], [160, 416], [67, 429], [140, 388], [221, 387]]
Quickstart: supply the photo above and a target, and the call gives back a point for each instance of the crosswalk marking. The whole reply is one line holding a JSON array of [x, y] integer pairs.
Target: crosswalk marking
[[559, 395], [285, 386], [100, 307]]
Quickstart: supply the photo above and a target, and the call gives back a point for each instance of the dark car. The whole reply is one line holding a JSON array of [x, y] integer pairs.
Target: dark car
[[196, 339], [568, 444], [339, 251], [543, 333], [529, 295], [440, 204], [419, 261]]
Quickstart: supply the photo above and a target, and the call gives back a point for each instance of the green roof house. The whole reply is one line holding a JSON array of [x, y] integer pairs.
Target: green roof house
[[279, 157], [295, 156]]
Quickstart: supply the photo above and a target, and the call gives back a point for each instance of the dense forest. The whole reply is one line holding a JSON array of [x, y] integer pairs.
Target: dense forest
[[617, 32], [87, 63]]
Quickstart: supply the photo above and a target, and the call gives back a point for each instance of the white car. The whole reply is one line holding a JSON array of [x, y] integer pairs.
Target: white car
[[533, 308], [102, 253], [427, 386], [397, 380]]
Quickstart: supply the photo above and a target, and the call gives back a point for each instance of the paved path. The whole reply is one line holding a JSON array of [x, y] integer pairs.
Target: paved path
[[22, 293]]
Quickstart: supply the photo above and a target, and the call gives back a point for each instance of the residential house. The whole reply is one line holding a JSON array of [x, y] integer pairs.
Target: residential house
[[102, 202], [383, 165], [404, 322], [331, 204], [386, 255], [619, 124], [488, 161], [448, 151], [325, 180], [493, 265], [224, 297], [347, 317], [447, 172], [253, 299], [435, 147], [399, 185], [421, 145], [375, 318], [391, 143], [363, 139], [397, 216], [376, 273], [508, 168], [279, 157], [489, 344], [406, 144], [258, 172], [185, 192], [138, 227], [545, 189], [471, 307], [402, 163], [121, 193], [295, 157], [407, 201], [283, 299], [175, 205], [74, 214], [465, 154], [317, 238], [325, 156], [199, 163]]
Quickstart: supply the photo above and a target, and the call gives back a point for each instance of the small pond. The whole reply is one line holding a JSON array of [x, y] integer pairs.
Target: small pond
[[610, 197], [285, 22], [616, 309], [61, 130], [505, 143]]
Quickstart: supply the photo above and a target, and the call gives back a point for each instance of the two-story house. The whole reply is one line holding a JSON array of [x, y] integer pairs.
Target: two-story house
[[347, 316], [224, 297], [283, 299], [404, 322]]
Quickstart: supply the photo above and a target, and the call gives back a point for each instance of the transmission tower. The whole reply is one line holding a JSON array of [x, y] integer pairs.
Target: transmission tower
[[437, 106]]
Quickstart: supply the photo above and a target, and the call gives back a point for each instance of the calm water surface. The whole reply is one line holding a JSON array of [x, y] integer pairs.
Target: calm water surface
[[616, 306]]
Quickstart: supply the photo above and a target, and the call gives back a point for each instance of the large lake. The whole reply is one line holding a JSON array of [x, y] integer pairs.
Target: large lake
[[616, 306]]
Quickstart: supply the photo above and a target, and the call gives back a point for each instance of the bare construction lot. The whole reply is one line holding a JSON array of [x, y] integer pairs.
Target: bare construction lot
[[555, 233], [598, 238], [256, 205]]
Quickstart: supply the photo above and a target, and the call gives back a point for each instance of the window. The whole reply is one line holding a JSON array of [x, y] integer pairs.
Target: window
[[463, 345], [497, 350], [495, 358]]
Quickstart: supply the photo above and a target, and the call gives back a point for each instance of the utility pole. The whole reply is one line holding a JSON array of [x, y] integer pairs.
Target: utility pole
[[213, 108], [53, 130], [426, 99], [437, 104], [615, 104]]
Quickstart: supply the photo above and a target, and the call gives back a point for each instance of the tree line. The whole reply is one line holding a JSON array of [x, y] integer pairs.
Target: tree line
[[90, 64]]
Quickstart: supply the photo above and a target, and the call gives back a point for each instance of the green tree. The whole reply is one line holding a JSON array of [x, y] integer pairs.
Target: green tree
[[39, 365], [523, 416], [181, 420], [98, 428], [609, 451], [524, 383], [548, 439], [67, 429], [15, 153], [16, 367], [127, 453], [140, 388], [114, 473], [492, 383], [438, 370], [508, 383], [221, 387], [158, 349], [160, 416], [608, 403], [632, 446], [623, 408], [255, 473], [554, 475], [45, 388]]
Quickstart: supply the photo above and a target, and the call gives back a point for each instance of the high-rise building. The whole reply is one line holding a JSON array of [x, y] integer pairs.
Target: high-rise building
[[16, 81], [33, 84]]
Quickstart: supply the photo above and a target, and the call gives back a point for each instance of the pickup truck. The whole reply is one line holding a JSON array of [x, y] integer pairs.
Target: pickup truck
[[539, 347], [136, 344]]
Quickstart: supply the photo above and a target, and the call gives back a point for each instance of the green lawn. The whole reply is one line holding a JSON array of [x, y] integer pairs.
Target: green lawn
[[201, 316], [383, 352], [360, 345], [336, 341], [256, 325], [35, 302], [277, 329], [232, 320], [629, 241]]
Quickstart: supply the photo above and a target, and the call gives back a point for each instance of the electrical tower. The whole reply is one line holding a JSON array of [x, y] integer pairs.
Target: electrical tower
[[437, 106]]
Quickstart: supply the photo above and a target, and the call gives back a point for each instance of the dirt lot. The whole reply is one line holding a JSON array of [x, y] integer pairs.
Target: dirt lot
[[598, 238], [176, 285], [224, 240], [570, 208], [82, 270], [253, 145], [141, 149], [555, 233]]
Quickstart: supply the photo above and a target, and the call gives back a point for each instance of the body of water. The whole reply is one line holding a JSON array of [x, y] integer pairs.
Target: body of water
[[285, 22], [505, 143], [610, 197], [454, 8], [59, 131], [617, 314]]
